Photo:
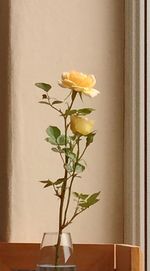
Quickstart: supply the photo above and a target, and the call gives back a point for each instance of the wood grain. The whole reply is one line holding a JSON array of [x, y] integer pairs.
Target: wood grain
[[87, 257], [128, 258], [26, 256]]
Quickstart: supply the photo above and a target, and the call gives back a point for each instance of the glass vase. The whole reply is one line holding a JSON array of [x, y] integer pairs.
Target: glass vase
[[56, 253]]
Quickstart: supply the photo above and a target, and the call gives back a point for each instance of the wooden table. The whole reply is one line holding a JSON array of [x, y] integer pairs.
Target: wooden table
[[89, 257]]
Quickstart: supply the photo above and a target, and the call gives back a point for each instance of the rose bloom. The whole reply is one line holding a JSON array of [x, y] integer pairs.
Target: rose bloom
[[81, 125], [79, 82]]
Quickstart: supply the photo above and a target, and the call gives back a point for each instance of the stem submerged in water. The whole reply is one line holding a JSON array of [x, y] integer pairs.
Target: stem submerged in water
[[57, 255]]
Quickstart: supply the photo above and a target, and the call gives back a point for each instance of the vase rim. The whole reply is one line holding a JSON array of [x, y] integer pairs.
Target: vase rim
[[56, 232]]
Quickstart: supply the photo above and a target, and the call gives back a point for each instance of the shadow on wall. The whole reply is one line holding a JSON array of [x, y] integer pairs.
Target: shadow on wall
[[5, 135]]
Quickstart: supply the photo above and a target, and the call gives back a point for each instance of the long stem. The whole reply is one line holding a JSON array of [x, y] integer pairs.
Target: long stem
[[62, 197], [64, 185]]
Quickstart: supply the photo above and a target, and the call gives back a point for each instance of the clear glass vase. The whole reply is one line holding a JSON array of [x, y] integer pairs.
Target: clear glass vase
[[56, 253]]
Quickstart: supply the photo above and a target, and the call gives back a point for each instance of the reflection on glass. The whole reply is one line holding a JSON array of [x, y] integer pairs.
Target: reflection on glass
[[56, 253]]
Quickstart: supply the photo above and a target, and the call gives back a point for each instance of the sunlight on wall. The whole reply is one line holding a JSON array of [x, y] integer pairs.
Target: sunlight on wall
[[47, 38]]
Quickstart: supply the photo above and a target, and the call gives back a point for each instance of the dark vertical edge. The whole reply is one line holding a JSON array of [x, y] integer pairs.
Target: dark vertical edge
[[145, 113], [123, 159], [5, 124]]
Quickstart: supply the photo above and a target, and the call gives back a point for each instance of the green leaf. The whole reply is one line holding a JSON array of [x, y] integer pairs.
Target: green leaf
[[51, 140], [61, 140], [84, 205], [59, 181], [74, 93], [84, 196], [53, 131], [94, 196], [80, 94], [44, 86], [93, 199], [57, 102], [47, 183], [85, 200], [71, 155], [55, 150], [76, 194], [85, 111], [69, 168], [66, 150], [73, 138], [90, 138], [70, 112], [90, 203], [85, 163], [79, 168], [42, 102]]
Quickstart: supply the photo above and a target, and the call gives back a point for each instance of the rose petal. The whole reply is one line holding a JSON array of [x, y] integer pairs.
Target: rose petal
[[79, 82], [91, 92], [65, 75], [81, 125]]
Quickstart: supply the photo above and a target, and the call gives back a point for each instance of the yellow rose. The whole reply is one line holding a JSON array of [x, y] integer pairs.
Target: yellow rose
[[81, 125], [79, 82]]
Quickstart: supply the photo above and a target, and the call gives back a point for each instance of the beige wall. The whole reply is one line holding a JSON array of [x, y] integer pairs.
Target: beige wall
[[48, 37]]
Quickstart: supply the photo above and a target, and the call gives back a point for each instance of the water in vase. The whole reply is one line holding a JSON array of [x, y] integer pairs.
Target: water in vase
[[46, 267]]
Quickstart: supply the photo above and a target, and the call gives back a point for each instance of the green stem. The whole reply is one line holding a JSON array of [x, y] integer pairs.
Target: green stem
[[64, 185], [73, 217], [61, 155], [58, 110], [62, 197], [71, 182], [82, 153], [74, 93]]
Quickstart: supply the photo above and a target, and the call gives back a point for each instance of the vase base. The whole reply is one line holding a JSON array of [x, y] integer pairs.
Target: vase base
[[46, 267]]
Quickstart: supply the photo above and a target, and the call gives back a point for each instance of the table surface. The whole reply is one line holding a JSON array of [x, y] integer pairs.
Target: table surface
[[93, 257]]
